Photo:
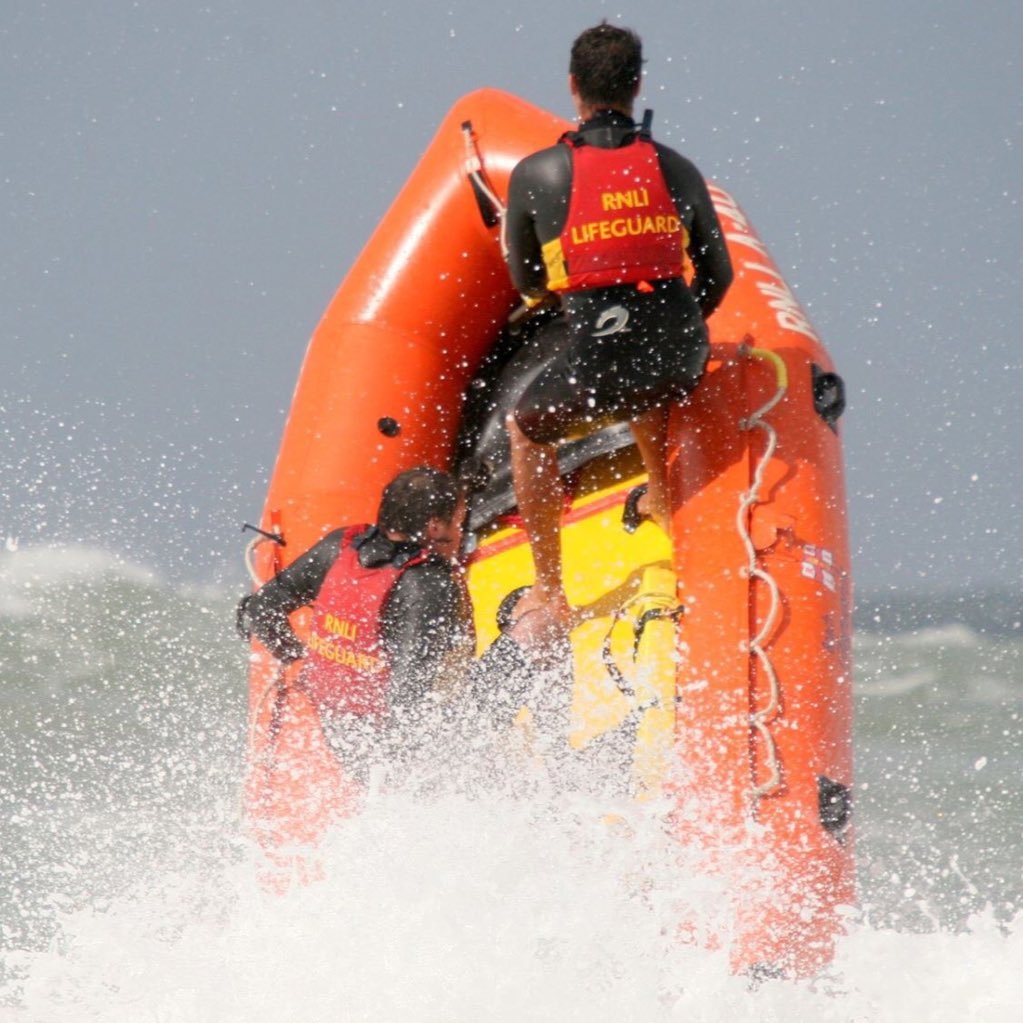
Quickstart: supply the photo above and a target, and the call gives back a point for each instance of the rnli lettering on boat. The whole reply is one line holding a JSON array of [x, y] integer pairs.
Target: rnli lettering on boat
[[624, 227], [769, 282], [344, 655], [786, 309]]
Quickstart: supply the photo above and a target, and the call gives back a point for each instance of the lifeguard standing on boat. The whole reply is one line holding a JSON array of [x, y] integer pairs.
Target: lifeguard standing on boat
[[613, 221]]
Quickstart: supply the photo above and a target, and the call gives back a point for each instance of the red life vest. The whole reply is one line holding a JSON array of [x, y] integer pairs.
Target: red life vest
[[622, 227], [346, 669]]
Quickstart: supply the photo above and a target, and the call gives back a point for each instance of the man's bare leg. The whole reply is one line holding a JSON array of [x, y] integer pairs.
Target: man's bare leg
[[539, 496], [651, 432]]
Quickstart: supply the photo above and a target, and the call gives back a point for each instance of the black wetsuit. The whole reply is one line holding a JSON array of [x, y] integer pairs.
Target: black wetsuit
[[593, 372], [424, 618]]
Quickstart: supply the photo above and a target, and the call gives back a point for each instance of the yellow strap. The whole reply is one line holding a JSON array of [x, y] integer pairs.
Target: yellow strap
[[781, 370]]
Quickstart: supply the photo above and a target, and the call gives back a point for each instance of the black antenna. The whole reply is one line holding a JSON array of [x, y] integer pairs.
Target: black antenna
[[276, 537]]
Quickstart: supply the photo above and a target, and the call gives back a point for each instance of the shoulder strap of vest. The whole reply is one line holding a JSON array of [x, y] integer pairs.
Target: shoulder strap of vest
[[409, 557], [643, 129], [356, 536]]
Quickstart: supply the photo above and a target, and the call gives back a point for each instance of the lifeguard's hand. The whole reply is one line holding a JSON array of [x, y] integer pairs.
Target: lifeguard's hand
[[532, 305]]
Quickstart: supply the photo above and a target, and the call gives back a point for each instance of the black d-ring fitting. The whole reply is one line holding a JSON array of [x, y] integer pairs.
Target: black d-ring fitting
[[828, 395]]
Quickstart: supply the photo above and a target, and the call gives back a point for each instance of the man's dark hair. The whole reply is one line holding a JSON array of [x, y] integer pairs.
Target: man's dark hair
[[414, 497], [607, 62]]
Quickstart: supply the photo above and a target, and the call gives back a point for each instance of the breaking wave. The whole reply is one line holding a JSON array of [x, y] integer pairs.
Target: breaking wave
[[138, 896]]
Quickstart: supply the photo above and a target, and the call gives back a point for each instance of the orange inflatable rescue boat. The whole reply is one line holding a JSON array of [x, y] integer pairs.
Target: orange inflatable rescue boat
[[726, 662]]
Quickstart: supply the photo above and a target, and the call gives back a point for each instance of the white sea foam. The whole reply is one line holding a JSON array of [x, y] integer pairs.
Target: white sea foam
[[897, 685], [954, 635], [449, 908], [28, 573], [454, 910]]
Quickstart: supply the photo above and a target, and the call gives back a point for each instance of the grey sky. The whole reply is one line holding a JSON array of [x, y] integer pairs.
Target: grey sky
[[184, 185]]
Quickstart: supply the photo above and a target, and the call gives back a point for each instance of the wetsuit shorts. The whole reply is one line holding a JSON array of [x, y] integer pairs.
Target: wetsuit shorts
[[618, 353]]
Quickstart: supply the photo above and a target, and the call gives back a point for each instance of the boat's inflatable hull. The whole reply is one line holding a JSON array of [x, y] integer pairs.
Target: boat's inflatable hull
[[734, 693]]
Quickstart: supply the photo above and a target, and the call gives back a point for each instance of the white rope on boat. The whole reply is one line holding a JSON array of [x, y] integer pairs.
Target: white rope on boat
[[250, 565], [761, 719]]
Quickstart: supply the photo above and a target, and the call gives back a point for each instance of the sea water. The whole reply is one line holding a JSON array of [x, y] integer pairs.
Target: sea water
[[130, 893]]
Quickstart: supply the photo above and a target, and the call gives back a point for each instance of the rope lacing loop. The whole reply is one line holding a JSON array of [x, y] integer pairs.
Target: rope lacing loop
[[661, 607], [760, 720], [262, 536]]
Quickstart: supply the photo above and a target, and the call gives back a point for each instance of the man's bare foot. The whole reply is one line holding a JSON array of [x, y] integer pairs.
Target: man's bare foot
[[655, 516]]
